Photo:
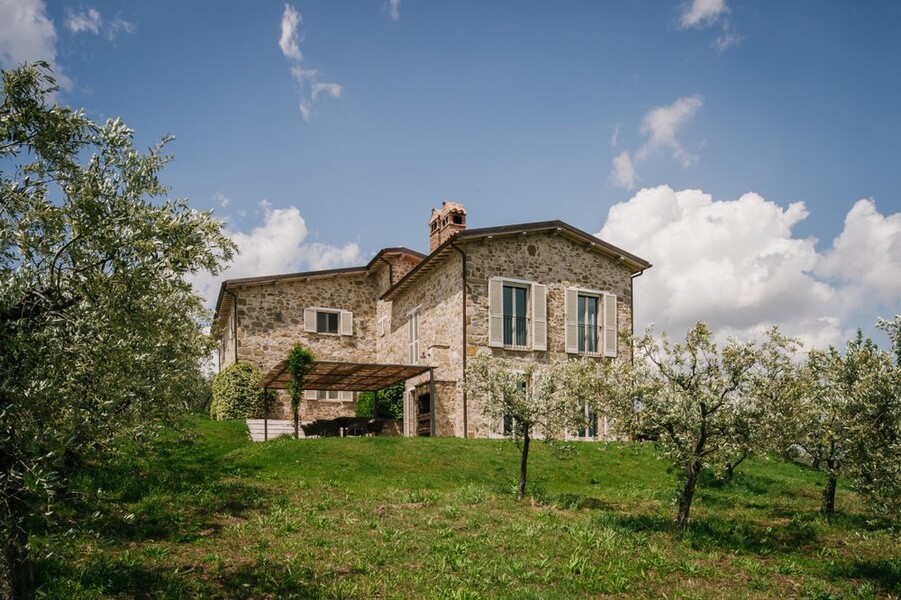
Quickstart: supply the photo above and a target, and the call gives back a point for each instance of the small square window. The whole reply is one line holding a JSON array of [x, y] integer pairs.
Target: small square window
[[326, 322]]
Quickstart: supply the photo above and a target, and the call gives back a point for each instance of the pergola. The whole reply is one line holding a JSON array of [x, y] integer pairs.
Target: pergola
[[348, 376]]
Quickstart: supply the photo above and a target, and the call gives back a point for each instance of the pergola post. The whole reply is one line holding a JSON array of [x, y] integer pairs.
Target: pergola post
[[265, 414], [432, 401]]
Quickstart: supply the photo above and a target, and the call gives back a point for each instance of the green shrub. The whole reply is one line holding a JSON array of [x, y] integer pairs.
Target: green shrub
[[236, 393], [390, 403]]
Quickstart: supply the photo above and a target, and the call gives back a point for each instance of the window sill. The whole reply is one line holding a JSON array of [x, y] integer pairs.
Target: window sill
[[518, 348]]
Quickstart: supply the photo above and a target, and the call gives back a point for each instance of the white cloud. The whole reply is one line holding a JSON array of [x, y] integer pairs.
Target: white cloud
[[288, 41], [308, 81], [660, 126], [726, 39], [331, 89], [393, 9], [737, 265], [702, 13], [867, 253], [89, 20], [221, 199], [277, 246], [614, 137], [623, 173], [27, 34]]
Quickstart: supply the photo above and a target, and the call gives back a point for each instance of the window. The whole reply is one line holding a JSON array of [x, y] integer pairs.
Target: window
[[591, 322], [328, 395], [329, 321], [590, 430], [414, 336], [588, 324], [326, 322], [517, 314], [508, 422]]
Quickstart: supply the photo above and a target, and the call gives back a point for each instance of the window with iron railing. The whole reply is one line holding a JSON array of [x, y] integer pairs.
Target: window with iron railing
[[516, 325]]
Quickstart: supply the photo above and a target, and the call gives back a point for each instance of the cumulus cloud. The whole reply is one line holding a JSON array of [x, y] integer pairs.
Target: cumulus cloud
[[393, 6], [659, 126], [27, 34], [91, 21], [867, 254], [277, 246], [737, 265], [308, 79], [701, 14]]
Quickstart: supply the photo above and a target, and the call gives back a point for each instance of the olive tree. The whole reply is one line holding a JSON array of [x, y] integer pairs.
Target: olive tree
[[847, 420], [689, 396], [527, 401], [100, 335]]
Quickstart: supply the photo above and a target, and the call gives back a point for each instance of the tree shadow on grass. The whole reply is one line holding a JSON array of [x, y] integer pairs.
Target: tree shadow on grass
[[581, 501], [122, 576], [178, 490], [714, 533], [884, 572]]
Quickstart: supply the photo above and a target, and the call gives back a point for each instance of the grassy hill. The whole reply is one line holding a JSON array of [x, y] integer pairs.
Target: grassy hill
[[217, 516]]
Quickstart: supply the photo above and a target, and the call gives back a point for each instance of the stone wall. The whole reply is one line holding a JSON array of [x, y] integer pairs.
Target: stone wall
[[310, 410], [270, 318], [270, 322], [551, 259], [438, 294]]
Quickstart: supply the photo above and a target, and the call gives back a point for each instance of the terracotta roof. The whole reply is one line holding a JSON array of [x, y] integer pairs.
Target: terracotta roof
[[634, 263]]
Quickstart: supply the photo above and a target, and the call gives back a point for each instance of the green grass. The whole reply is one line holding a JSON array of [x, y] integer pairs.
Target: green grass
[[218, 516]]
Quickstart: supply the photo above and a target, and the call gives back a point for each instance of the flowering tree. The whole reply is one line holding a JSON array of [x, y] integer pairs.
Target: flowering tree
[[527, 401], [847, 419], [689, 396]]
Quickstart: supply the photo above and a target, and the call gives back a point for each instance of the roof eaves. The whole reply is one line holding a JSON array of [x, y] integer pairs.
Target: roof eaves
[[635, 263]]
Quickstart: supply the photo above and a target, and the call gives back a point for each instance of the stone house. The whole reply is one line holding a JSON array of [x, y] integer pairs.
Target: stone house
[[533, 293]]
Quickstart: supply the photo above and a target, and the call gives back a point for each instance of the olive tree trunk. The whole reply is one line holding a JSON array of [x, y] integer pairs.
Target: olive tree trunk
[[521, 493], [691, 481]]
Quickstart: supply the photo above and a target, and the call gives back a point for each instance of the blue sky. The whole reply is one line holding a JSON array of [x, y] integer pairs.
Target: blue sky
[[324, 131]]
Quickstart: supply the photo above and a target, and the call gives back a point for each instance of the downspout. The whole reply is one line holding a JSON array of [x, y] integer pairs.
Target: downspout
[[463, 296], [632, 311], [234, 321]]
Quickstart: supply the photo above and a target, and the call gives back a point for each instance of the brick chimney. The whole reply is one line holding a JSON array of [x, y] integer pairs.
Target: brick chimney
[[445, 222]]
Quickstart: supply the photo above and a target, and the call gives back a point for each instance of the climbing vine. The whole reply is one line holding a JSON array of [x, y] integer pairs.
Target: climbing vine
[[300, 361]]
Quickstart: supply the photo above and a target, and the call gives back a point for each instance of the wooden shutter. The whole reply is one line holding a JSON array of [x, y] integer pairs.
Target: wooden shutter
[[572, 320], [309, 394], [309, 319], [346, 323], [346, 396], [610, 341], [414, 337], [539, 316], [496, 313]]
